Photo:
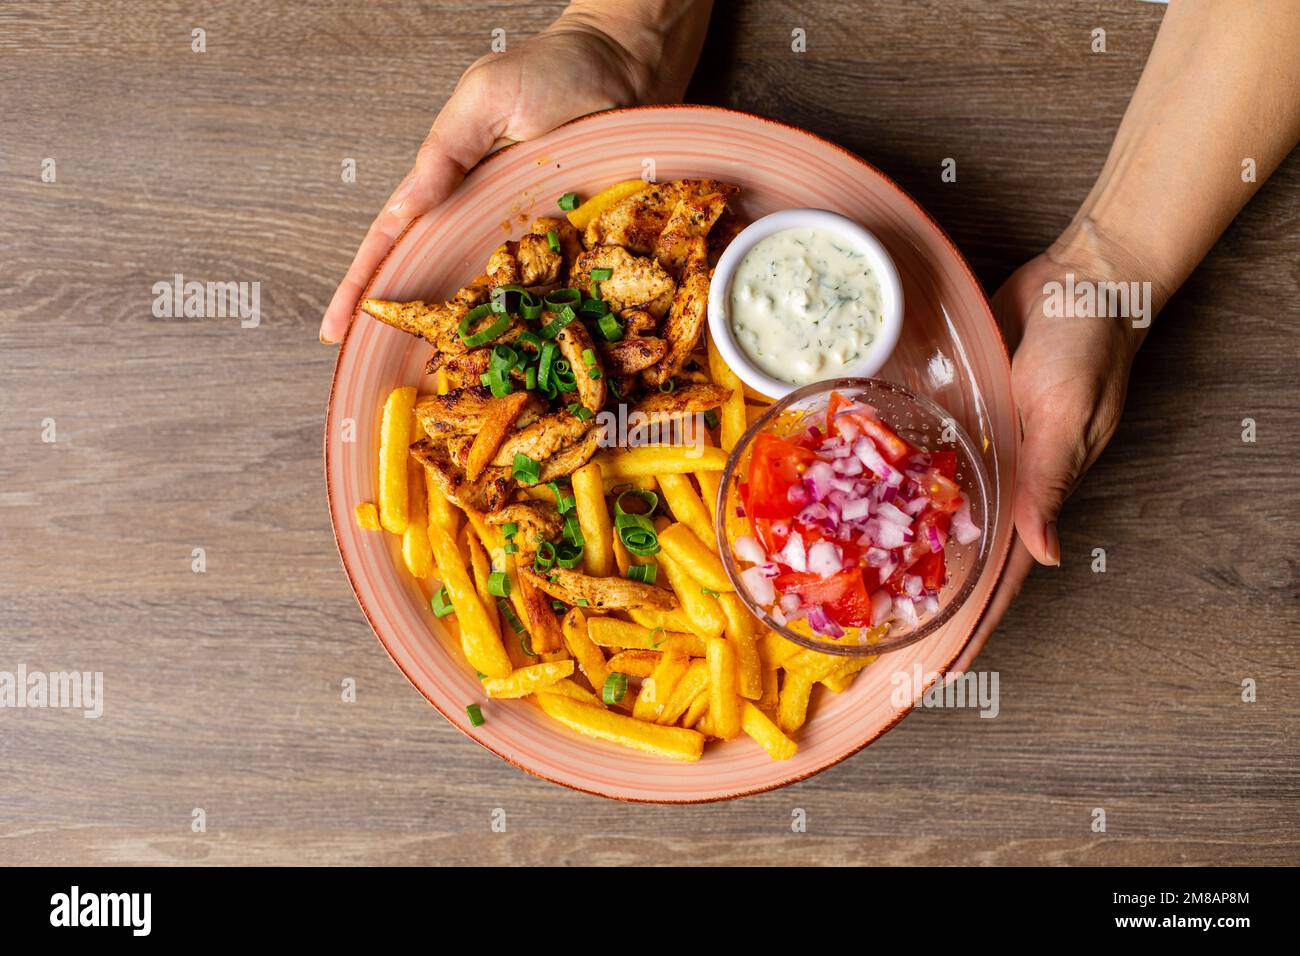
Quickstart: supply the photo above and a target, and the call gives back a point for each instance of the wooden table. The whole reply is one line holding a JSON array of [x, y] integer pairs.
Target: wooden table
[[1119, 690]]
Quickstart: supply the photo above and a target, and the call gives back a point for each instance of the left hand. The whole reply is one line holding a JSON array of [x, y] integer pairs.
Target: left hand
[[1069, 377]]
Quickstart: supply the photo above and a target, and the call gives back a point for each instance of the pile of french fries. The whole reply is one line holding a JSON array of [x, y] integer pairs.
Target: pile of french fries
[[658, 681]]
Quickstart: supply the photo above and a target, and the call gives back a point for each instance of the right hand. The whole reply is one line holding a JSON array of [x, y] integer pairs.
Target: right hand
[[568, 71]]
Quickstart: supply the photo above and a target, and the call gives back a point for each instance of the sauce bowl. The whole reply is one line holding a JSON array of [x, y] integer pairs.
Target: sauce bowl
[[877, 259]]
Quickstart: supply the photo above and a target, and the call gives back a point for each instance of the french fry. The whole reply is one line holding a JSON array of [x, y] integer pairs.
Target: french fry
[[688, 508], [753, 413], [643, 482], [657, 689], [699, 708], [496, 423], [639, 664], [588, 655], [443, 515], [528, 680], [768, 735], [394, 442], [367, 516], [768, 702], [757, 397], [543, 626], [776, 650], [792, 708], [840, 678], [659, 460], [593, 518], [683, 545], [675, 742], [740, 633], [479, 637], [693, 684], [710, 482], [812, 665], [571, 688], [480, 565], [593, 207], [625, 559], [733, 421], [724, 701], [416, 552], [702, 609], [611, 632], [654, 617]]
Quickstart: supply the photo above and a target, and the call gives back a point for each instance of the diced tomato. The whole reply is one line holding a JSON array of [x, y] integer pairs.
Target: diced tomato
[[774, 467], [931, 569], [944, 493], [834, 406], [895, 449], [945, 463], [844, 595], [914, 553], [771, 534]]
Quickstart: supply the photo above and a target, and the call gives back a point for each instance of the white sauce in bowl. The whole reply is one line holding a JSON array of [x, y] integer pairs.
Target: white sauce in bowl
[[805, 305]]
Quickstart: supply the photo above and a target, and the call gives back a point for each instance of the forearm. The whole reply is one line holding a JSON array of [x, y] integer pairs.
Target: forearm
[[1219, 89], [662, 39]]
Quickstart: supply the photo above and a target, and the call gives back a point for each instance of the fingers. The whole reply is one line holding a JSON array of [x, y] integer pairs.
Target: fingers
[[1052, 458], [463, 132], [1019, 563]]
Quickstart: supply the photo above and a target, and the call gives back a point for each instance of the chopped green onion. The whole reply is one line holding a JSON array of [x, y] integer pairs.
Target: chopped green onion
[[594, 307], [552, 240], [530, 378], [610, 327], [498, 584], [667, 385], [573, 531], [562, 318], [557, 299], [569, 201], [511, 548], [588, 358], [656, 636], [580, 412], [511, 617], [614, 389], [526, 644], [498, 380], [545, 363], [475, 715], [637, 531], [485, 335], [558, 605], [600, 275], [593, 373], [480, 675], [709, 591], [503, 357], [583, 602], [649, 497], [711, 418], [525, 469], [442, 602], [615, 688], [645, 573], [568, 554], [510, 529], [563, 503], [545, 558], [564, 378], [529, 339]]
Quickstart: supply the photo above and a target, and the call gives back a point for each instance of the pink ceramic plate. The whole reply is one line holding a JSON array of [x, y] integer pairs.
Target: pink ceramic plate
[[950, 351]]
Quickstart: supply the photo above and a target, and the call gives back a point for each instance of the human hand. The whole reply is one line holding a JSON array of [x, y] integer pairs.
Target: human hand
[[592, 58], [1069, 376]]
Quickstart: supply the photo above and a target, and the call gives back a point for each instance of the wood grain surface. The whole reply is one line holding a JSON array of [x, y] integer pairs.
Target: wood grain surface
[[223, 689]]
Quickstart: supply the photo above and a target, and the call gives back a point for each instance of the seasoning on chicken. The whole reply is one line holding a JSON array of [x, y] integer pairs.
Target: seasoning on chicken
[[685, 319], [614, 594], [634, 281]]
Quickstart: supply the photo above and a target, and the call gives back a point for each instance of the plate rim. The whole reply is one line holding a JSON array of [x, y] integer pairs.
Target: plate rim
[[940, 671]]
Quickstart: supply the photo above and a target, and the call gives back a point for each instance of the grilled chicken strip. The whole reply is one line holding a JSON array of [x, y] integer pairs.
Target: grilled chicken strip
[[463, 411], [567, 233], [542, 439], [569, 459], [571, 587], [575, 343], [634, 282], [686, 317], [680, 402], [630, 355], [539, 264], [537, 523], [638, 322], [434, 321], [637, 221], [503, 264], [692, 218], [490, 493]]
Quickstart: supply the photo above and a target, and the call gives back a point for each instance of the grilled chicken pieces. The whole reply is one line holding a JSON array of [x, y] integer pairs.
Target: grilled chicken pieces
[[650, 253]]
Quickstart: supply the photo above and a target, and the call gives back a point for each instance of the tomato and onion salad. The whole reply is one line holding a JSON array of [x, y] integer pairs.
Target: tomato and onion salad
[[849, 525]]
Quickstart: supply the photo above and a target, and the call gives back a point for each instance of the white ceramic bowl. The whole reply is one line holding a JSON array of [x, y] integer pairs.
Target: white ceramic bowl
[[891, 295]]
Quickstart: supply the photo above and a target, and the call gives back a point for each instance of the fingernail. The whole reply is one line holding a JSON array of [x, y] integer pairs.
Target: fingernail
[[1053, 545], [403, 193], [325, 341]]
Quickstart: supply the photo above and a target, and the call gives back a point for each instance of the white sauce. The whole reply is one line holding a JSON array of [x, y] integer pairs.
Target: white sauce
[[805, 306]]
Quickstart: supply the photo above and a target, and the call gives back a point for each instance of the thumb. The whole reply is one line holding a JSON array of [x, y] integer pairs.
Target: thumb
[[462, 134], [1052, 459]]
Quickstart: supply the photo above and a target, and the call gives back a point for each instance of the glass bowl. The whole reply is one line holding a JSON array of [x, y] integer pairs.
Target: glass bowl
[[927, 426]]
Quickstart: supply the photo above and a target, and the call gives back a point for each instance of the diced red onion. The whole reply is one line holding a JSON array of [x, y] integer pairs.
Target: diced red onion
[[929, 604], [790, 603], [798, 494], [905, 610], [866, 451], [894, 514], [934, 539], [886, 534], [882, 605], [769, 570], [916, 506], [817, 480], [847, 466], [793, 554], [824, 559], [759, 586], [912, 585], [878, 557], [815, 513], [748, 549], [777, 616], [963, 529], [853, 510], [820, 622]]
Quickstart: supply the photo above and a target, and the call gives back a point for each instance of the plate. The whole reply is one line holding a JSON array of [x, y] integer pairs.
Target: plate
[[950, 350]]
